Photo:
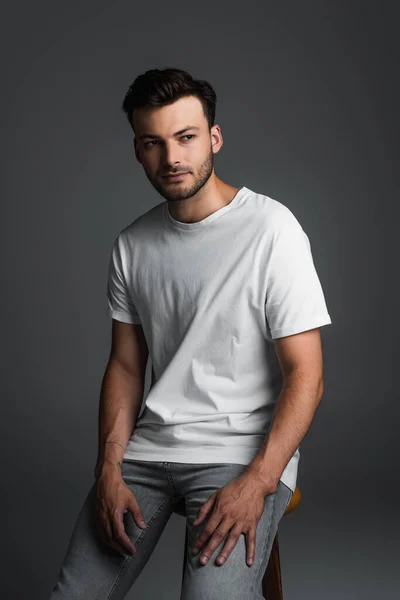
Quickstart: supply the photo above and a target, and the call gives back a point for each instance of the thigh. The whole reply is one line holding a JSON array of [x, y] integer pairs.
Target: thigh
[[234, 580], [91, 570]]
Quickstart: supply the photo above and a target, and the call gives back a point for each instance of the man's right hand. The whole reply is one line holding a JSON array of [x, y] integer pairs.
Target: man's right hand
[[113, 499]]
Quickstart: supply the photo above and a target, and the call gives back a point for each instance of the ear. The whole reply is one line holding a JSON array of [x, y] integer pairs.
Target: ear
[[216, 138]]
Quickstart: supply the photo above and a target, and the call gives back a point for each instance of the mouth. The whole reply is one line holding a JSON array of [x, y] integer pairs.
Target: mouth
[[175, 177]]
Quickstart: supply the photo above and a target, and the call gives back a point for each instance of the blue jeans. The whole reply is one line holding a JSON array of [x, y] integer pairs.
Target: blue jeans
[[91, 570]]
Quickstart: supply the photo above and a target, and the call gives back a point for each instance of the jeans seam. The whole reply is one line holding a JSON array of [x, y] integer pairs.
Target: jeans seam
[[288, 502], [169, 476], [150, 522], [119, 577], [128, 559], [265, 545], [291, 492]]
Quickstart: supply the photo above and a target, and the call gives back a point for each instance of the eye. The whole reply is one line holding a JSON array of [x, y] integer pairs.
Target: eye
[[146, 144], [150, 143]]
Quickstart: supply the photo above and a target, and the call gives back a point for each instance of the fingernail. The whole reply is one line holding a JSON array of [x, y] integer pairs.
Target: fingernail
[[221, 560], [143, 523], [194, 551]]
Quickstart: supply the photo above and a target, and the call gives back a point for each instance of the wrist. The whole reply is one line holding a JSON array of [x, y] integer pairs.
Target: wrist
[[265, 480], [109, 467], [110, 452]]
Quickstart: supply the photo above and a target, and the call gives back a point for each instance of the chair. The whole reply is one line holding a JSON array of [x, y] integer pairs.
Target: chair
[[272, 581]]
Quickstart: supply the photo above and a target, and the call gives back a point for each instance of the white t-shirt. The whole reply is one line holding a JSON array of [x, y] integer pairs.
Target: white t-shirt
[[211, 297]]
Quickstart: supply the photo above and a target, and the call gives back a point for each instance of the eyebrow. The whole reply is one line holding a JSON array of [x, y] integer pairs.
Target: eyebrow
[[157, 137]]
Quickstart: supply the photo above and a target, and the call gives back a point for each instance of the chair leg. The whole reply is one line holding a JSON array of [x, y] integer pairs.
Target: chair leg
[[272, 581], [185, 554]]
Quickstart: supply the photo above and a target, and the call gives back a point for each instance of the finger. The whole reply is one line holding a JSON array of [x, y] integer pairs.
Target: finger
[[230, 544], [106, 539], [118, 548], [103, 526], [119, 534], [250, 545], [99, 530], [136, 513], [206, 533], [215, 541], [204, 510]]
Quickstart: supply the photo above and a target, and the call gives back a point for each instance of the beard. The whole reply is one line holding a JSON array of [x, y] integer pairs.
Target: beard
[[183, 190]]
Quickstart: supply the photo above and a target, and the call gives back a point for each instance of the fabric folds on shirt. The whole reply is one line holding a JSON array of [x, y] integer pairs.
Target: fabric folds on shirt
[[212, 296]]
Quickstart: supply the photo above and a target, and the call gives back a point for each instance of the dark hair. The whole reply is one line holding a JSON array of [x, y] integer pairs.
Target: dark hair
[[159, 87]]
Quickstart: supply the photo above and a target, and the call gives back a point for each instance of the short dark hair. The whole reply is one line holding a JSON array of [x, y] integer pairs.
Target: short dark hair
[[159, 87]]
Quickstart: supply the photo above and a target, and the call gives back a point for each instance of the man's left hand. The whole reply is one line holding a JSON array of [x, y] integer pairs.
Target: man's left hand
[[237, 508]]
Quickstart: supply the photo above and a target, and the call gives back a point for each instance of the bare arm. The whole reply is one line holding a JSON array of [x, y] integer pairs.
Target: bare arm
[[121, 394], [300, 357]]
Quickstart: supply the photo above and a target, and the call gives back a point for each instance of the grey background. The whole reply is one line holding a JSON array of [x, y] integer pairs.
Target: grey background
[[308, 102]]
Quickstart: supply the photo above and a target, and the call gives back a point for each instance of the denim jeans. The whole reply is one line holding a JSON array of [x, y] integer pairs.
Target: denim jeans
[[91, 570]]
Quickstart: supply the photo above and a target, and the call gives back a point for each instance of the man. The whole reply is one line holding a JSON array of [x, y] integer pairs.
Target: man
[[217, 286]]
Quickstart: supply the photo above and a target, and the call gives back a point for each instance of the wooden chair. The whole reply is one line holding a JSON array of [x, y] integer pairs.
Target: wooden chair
[[272, 581]]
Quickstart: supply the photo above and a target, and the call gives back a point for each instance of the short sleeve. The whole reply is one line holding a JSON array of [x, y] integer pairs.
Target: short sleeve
[[295, 301], [120, 304]]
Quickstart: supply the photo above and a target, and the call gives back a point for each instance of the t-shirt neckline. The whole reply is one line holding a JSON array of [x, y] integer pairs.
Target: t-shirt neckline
[[207, 220]]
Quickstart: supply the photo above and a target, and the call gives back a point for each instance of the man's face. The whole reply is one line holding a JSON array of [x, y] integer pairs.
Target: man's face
[[165, 151]]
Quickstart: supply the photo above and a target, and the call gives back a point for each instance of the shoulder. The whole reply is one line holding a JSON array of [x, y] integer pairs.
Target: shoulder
[[139, 230], [274, 216]]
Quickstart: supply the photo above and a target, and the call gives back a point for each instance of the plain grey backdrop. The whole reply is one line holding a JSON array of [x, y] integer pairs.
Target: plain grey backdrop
[[308, 99]]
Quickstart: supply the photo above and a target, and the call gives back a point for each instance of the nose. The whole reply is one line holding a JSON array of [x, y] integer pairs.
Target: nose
[[170, 157]]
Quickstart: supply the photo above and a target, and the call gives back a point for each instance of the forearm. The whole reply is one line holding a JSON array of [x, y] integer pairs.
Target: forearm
[[120, 401], [294, 412]]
